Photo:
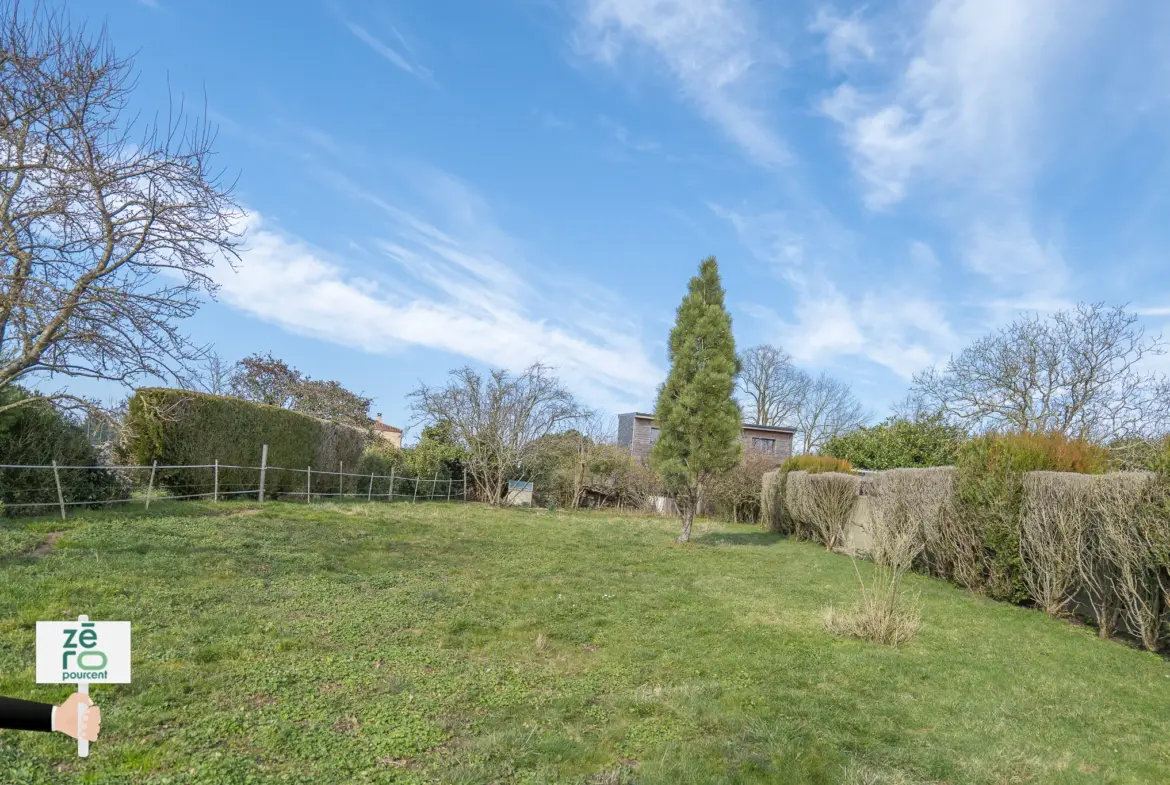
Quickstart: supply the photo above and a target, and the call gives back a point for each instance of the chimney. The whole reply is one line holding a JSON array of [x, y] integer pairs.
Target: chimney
[[379, 418]]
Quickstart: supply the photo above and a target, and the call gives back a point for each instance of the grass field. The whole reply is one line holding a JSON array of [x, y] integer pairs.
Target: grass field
[[441, 643]]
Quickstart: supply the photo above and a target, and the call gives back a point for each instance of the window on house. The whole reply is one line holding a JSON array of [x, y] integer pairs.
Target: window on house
[[653, 434], [763, 445]]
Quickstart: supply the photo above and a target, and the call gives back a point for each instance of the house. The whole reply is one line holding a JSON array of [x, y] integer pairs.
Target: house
[[387, 432], [637, 432]]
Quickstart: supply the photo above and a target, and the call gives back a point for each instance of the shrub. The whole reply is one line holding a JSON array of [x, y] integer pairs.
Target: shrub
[[821, 505], [773, 508], [1123, 566], [909, 511], [883, 614], [989, 501], [816, 464], [1055, 526], [36, 433], [180, 427], [735, 494], [898, 443]]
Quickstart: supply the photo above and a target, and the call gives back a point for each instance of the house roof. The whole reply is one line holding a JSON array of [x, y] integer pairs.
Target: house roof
[[747, 425], [381, 426]]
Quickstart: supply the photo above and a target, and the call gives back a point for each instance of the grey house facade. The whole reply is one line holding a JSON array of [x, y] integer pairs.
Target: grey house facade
[[637, 432]]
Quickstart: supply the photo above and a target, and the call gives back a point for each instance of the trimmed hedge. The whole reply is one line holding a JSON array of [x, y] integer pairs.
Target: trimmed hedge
[[816, 464], [181, 427], [36, 434]]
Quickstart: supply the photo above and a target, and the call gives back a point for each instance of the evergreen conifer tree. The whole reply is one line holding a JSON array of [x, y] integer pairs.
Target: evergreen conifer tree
[[698, 419]]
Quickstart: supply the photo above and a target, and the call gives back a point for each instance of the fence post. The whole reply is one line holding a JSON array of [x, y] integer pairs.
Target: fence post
[[150, 485], [390, 493], [415, 499], [434, 482], [60, 496], [465, 487], [450, 482], [370, 490], [263, 468], [309, 486], [341, 480], [215, 487]]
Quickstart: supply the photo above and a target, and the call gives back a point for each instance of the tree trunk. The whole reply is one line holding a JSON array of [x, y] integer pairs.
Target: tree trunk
[[688, 517]]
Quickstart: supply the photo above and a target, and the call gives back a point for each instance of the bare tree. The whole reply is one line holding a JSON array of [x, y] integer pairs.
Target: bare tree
[[109, 227], [214, 374], [772, 385], [497, 418], [827, 409], [1079, 372]]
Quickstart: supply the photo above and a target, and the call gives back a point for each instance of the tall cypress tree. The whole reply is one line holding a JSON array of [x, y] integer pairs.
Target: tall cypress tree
[[698, 420]]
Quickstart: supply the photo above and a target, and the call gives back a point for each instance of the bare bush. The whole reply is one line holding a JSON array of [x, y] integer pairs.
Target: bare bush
[[1125, 553], [907, 506], [1054, 527], [884, 613], [822, 504]]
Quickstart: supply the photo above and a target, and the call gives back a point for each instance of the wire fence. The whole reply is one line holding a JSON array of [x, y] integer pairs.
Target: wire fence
[[31, 488]]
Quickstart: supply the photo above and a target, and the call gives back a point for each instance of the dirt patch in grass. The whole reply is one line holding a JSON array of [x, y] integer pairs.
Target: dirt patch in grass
[[44, 546]]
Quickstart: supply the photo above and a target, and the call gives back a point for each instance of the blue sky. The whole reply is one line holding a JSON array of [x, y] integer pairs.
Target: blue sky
[[446, 182]]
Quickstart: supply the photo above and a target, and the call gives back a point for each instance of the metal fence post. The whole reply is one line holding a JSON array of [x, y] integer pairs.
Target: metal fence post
[[150, 485], [60, 496], [215, 486], [309, 486], [390, 493], [263, 468], [370, 490]]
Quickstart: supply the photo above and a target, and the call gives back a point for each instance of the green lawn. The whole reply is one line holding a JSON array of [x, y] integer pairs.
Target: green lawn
[[443, 643]]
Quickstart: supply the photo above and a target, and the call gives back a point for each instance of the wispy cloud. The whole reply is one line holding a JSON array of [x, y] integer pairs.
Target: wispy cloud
[[710, 47], [894, 326], [847, 39], [965, 105], [449, 289], [388, 52]]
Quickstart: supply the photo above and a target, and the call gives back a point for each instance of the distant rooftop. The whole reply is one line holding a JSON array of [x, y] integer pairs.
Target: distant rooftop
[[753, 426]]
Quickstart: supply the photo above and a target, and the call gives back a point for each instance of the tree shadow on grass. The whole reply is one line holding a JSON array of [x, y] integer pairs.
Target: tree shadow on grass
[[738, 538]]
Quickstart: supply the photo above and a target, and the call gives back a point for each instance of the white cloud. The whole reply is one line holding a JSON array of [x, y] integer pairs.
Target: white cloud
[[445, 293], [389, 53], [923, 256], [846, 39], [1008, 252], [965, 105], [711, 47], [894, 326]]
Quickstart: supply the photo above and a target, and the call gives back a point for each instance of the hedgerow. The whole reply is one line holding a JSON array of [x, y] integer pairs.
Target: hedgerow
[[181, 427]]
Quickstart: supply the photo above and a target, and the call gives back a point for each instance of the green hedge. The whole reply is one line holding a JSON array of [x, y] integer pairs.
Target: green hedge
[[177, 427], [990, 492], [36, 433]]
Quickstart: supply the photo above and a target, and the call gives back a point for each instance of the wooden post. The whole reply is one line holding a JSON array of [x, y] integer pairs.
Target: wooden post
[[465, 487], [309, 486], [150, 485], [263, 468], [390, 493], [434, 482], [341, 479], [415, 499], [215, 486], [450, 482], [60, 496], [370, 490]]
